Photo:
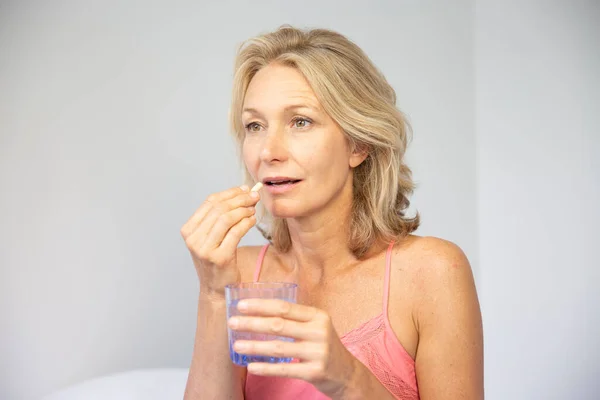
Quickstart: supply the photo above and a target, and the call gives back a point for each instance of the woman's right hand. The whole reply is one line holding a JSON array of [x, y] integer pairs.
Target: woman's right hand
[[213, 233]]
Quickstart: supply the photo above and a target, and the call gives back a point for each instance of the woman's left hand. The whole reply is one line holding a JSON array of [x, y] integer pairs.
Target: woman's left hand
[[324, 361]]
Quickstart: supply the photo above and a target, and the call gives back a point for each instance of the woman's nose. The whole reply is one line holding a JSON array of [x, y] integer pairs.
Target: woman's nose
[[274, 147]]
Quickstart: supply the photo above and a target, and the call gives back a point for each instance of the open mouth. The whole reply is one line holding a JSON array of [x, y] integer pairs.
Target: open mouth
[[282, 182]]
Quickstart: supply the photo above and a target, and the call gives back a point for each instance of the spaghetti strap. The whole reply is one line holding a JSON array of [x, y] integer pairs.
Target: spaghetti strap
[[377, 346], [259, 262], [386, 283]]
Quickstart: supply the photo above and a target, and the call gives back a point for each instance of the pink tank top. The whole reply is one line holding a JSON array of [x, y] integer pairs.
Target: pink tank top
[[373, 343]]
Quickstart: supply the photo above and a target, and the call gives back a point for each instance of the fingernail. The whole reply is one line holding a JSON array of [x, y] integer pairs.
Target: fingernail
[[233, 322], [254, 368], [239, 346], [242, 306], [254, 195], [244, 188]]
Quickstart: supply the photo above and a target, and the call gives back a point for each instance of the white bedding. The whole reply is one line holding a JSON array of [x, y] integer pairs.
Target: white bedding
[[143, 384]]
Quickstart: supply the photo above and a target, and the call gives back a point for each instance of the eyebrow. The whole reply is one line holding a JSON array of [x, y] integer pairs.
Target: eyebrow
[[291, 107]]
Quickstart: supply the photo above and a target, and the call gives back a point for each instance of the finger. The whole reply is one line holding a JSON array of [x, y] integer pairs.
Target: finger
[[305, 351], [244, 199], [276, 326], [219, 253], [306, 371], [209, 242], [225, 222], [235, 234], [190, 226], [278, 308], [217, 210]]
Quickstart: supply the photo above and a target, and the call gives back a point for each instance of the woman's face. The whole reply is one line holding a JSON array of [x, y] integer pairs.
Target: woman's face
[[292, 146]]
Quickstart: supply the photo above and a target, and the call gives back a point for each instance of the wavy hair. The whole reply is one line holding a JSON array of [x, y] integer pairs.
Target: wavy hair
[[356, 95]]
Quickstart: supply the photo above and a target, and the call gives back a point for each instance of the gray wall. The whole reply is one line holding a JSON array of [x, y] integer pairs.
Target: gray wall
[[114, 129], [538, 165]]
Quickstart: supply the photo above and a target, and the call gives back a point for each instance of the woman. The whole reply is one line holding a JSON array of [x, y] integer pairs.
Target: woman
[[381, 313]]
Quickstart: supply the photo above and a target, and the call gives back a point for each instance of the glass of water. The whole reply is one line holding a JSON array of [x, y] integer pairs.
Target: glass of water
[[256, 290]]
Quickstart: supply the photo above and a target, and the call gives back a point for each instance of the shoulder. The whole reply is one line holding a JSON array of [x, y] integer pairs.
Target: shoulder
[[430, 256], [247, 257], [436, 268], [446, 316]]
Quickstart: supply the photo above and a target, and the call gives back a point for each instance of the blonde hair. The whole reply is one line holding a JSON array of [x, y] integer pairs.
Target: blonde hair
[[356, 96]]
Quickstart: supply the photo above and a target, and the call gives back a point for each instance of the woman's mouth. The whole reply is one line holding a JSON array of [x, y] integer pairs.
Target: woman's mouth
[[280, 185]]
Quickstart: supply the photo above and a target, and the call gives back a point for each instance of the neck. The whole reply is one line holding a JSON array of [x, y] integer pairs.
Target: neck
[[320, 241], [320, 244]]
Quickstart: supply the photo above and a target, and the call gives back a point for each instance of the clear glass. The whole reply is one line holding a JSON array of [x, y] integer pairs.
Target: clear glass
[[252, 290]]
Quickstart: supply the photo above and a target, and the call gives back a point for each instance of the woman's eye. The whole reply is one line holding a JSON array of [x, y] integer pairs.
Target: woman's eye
[[301, 123], [253, 127]]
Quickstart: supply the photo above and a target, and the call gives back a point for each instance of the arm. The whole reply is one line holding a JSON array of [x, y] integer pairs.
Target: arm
[[212, 235], [449, 360], [212, 374]]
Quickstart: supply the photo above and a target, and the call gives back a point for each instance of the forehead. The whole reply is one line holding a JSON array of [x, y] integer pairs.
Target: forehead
[[278, 86]]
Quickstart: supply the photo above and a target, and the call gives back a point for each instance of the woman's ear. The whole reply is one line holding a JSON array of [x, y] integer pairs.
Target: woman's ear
[[358, 155]]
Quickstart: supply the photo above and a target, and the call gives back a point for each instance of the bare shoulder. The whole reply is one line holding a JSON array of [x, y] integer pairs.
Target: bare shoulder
[[431, 248], [432, 259], [434, 271], [447, 317], [246, 261]]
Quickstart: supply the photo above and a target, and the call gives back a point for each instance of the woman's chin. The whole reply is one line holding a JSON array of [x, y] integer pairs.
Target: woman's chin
[[283, 212], [284, 215]]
